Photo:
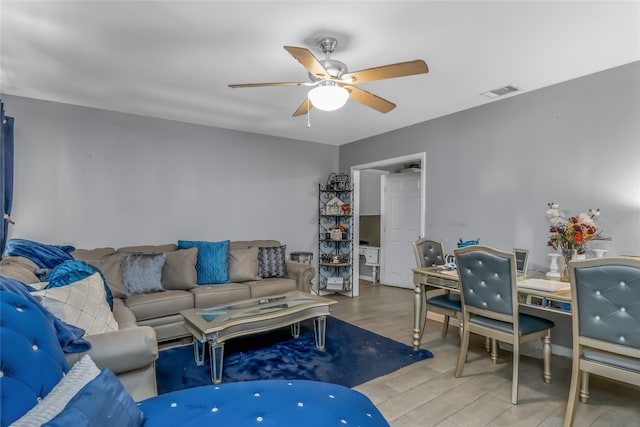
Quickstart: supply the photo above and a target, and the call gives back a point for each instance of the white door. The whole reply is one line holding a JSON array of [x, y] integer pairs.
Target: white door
[[401, 227]]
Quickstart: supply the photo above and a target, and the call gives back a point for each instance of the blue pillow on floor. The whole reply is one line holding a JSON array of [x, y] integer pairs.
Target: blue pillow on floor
[[212, 265]]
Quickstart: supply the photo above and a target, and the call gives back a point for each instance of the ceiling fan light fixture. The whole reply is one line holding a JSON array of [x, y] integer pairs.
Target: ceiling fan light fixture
[[328, 97]]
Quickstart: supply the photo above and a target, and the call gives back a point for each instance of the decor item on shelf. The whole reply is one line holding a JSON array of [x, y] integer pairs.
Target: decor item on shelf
[[570, 235], [345, 209], [336, 234], [334, 206], [338, 181]]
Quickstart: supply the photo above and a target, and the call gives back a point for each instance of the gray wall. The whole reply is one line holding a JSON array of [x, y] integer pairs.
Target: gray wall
[[492, 169], [89, 177]]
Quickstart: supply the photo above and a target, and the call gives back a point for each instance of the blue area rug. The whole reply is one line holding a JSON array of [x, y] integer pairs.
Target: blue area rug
[[352, 356]]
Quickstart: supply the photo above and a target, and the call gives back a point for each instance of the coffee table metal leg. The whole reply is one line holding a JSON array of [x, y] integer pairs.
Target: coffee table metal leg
[[198, 352], [320, 329], [295, 329], [216, 356]]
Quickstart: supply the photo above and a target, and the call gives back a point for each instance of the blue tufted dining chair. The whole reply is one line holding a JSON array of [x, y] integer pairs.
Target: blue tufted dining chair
[[430, 253], [490, 307], [605, 308]]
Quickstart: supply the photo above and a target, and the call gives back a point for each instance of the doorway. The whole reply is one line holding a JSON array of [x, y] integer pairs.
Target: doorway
[[387, 166]]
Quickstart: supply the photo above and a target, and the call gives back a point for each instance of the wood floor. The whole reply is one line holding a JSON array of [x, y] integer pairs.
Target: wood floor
[[427, 394]]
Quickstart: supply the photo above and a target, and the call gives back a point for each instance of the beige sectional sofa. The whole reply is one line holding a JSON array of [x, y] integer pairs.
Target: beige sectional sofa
[[161, 310], [148, 319]]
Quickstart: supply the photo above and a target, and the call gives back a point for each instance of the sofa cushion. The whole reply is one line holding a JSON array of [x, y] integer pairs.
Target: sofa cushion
[[82, 303], [142, 273], [87, 254], [159, 304], [19, 268], [179, 271], [213, 260], [111, 267], [213, 295], [148, 249], [272, 261], [243, 265], [271, 286]]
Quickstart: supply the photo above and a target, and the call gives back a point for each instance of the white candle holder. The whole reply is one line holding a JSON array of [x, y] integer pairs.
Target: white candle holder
[[554, 271]]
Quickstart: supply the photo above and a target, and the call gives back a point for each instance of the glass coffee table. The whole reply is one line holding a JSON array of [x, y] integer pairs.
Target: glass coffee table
[[215, 325]]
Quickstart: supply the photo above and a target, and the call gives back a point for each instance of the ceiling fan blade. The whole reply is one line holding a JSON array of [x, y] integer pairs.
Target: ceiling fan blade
[[369, 99], [304, 108], [237, 85], [401, 69], [308, 61]]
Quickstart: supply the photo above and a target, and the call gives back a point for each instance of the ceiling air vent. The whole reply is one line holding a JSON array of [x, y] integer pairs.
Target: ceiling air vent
[[501, 91]]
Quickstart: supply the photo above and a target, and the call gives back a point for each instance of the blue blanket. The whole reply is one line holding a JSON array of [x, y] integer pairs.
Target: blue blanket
[[69, 336], [45, 256]]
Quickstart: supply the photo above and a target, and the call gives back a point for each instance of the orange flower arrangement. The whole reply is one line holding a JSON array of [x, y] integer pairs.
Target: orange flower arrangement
[[573, 232]]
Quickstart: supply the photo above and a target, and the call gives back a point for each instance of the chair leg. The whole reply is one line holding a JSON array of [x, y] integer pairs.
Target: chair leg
[[516, 366], [462, 357], [546, 356], [494, 351], [584, 388], [573, 393], [445, 326]]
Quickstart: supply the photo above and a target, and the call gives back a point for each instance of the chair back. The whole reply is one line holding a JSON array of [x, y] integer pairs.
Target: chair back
[[606, 303], [488, 282], [428, 253]]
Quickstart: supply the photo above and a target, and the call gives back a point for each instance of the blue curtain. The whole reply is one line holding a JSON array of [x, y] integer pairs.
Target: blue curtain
[[6, 177]]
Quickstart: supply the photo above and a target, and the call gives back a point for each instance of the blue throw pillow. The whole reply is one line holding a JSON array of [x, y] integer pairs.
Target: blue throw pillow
[[102, 402], [212, 265], [72, 271]]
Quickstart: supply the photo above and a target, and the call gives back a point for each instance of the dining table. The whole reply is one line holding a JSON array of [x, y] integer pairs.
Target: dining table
[[534, 291]]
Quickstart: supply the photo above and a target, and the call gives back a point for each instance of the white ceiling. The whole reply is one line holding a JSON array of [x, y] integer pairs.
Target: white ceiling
[[174, 59]]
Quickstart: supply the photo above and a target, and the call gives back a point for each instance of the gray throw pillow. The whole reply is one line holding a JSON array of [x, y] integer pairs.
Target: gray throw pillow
[[272, 262], [142, 273]]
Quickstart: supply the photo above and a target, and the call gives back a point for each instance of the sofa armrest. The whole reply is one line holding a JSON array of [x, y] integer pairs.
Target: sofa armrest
[[121, 351], [301, 273], [123, 315]]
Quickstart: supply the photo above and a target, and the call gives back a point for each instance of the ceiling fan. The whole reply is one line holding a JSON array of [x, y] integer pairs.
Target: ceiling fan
[[333, 84]]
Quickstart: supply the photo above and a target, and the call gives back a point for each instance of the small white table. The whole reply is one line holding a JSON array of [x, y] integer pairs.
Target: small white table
[[371, 258]]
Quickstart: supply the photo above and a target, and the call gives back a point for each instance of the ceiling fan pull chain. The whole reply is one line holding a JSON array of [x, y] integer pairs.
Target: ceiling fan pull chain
[[308, 113]]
